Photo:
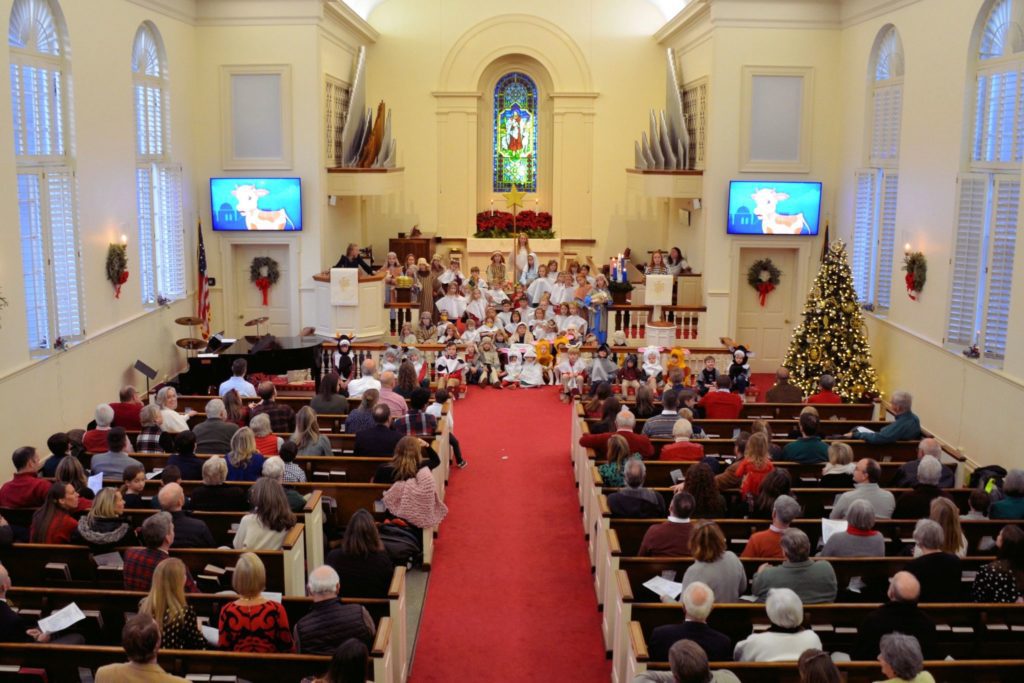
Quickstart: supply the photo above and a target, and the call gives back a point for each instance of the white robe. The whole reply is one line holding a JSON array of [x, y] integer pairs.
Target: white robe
[[575, 321], [531, 374], [448, 366], [536, 290], [450, 275], [454, 306]]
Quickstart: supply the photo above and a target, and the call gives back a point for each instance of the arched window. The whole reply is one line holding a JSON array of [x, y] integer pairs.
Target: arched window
[[47, 208], [989, 189], [157, 179], [515, 133], [875, 209]]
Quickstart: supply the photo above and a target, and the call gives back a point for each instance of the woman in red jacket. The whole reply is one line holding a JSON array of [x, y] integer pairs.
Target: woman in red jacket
[[53, 523]]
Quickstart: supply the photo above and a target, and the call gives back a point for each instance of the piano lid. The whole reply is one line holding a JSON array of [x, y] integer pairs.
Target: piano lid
[[268, 342]]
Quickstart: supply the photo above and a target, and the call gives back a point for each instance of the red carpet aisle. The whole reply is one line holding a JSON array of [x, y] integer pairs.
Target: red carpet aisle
[[510, 595]]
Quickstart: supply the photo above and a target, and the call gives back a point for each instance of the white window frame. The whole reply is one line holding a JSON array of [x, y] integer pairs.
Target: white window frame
[[337, 98], [55, 315], [274, 83]]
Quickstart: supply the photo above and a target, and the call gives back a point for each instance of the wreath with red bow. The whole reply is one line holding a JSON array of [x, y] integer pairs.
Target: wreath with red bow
[[764, 276], [916, 268], [117, 267], [264, 273]]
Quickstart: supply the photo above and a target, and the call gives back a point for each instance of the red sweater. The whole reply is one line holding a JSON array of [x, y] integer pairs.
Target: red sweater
[[721, 405], [127, 415], [25, 490], [95, 441], [682, 450], [638, 443], [765, 543], [752, 476], [60, 529], [825, 397]]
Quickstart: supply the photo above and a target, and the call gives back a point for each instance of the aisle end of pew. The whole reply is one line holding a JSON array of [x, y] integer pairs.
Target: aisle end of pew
[[313, 517]]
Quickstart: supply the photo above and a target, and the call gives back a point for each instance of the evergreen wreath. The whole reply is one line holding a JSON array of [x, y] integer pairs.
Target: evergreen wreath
[[755, 278], [264, 282], [916, 268], [117, 267]]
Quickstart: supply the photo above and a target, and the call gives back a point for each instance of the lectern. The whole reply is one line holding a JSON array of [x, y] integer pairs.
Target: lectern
[[350, 302], [658, 293]]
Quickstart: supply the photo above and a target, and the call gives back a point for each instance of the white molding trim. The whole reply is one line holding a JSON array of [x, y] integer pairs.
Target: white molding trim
[[228, 160], [802, 164], [179, 10], [686, 19], [345, 15], [880, 8]]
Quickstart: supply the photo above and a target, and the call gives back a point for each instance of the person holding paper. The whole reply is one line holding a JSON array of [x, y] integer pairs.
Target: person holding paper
[[15, 628], [860, 538], [179, 626], [113, 462], [140, 639]]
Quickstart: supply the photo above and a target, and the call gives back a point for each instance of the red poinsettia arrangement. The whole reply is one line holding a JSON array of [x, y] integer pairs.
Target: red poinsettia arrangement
[[503, 223]]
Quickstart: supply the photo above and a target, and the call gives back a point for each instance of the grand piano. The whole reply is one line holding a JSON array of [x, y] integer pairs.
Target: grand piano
[[267, 354]]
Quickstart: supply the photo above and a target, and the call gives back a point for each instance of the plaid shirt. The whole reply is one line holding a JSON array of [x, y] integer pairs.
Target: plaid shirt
[[416, 423], [148, 440], [282, 417], [293, 472], [139, 565]]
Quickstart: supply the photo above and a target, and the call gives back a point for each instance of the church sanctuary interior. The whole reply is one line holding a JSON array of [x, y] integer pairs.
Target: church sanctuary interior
[[422, 341]]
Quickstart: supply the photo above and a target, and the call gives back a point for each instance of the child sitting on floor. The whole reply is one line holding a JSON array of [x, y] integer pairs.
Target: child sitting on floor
[[474, 369], [531, 375], [572, 374], [491, 362], [603, 368], [708, 376], [513, 367]]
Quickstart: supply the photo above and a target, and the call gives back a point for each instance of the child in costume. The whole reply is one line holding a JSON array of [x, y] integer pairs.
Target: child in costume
[[491, 362], [390, 359], [572, 374], [449, 369], [531, 375], [603, 368], [513, 367], [707, 377], [575, 319], [422, 370], [475, 369], [426, 331], [343, 358], [539, 286], [452, 304], [500, 340], [652, 368], [532, 270], [630, 374], [521, 335], [739, 370], [476, 306], [407, 335]]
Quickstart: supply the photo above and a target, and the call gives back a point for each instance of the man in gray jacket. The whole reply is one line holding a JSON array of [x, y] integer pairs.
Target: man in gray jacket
[[213, 435], [813, 580], [689, 665]]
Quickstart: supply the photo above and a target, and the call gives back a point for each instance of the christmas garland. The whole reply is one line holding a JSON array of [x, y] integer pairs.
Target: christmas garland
[[916, 267], [764, 276], [264, 273], [117, 267]]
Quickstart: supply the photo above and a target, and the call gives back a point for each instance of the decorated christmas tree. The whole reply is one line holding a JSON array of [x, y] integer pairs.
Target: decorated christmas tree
[[833, 339]]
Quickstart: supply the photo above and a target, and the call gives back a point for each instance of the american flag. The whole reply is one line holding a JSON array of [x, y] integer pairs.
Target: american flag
[[203, 291]]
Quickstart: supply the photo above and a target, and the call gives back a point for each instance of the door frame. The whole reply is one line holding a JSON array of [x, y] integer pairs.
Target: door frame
[[228, 244], [803, 248]]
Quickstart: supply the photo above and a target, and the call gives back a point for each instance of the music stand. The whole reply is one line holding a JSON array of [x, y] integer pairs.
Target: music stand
[[148, 372]]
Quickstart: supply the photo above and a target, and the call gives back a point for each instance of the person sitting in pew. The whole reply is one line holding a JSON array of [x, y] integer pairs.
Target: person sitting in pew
[[105, 527], [698, 601], [783, 391], [152, 438], [380, 439], [825, 394], [906, 476], [900, 613], [683, 449], [618, 453], [610, 408], [755, 466], [838, 472], [307, 434], [662, 426], [173, 421], [140, 639], [59, 445], [214, 495], [415, 499], [367, 379], [688, 664], [1012, 506], [189, 532], [348, 664], [865, 487], [700, 483], [329, 400], [17, 628], [95, 439], [252, 623], [361, 561], [916, 503], [170, 474], [329, 622], [816, 666], [293, 472], [713, 565], [786, 639], [237, 381], [809, 448], [672, 537], [267, 442], [184, 456], [213, 435], [1003, 580], [116, 458], [245, 462], [813, 580], [946, 514], [273, 468], [282, 416], [417, 421], [156, 535], [768, 543], [26, 489], [362, 417], [272, 519], [722, 403], [53, 523], [906, 426], [625, 422], [127, 409], [134, 478], [410, 454], [860, 538], [776, 483], [938, 572], [636, 500], [901, 660], [166, 603], [70, 471]]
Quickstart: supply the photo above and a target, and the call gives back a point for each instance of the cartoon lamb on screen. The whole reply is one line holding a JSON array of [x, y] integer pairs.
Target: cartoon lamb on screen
[[255, 218], [766, 201]]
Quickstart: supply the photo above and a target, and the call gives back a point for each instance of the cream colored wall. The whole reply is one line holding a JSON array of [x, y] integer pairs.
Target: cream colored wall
[[41, 397]]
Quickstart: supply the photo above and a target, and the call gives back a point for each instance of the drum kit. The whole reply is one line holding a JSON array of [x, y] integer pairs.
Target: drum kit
[[191, 343]]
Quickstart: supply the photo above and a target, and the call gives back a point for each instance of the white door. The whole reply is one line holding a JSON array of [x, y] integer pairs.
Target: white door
[[249, 299], [766, 330]]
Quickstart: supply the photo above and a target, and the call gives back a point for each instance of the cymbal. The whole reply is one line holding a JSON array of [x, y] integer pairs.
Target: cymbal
[[191, 344], [188, 320], [257, 321]]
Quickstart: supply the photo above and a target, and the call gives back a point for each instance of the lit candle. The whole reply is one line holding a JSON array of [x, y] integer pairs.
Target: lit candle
[[492, 208], [906, 248], [124, 239]]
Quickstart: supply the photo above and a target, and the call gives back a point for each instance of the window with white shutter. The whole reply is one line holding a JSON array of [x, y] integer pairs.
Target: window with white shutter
[[47, 204], [989, 193], [886, 238], [158, 182], [864, 235]]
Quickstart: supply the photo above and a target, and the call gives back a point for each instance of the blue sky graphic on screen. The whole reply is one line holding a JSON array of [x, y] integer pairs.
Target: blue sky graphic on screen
[[256, 203], [773, 208]]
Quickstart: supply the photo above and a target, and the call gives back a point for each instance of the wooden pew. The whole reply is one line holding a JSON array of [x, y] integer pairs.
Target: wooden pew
[[316, 467], [780, 428], [859, 412]]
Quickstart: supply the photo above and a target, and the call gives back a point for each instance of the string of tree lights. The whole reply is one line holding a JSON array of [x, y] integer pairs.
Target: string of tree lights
[[833, 339]]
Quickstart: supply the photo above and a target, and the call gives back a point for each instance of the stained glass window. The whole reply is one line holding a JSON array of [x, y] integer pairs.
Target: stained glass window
[[515, 133]]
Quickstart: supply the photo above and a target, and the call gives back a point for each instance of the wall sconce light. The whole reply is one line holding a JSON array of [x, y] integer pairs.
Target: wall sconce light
[[906, 248]]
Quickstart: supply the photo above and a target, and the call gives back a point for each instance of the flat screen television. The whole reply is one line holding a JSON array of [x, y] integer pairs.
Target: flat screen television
[[770, 207], [256, 203]]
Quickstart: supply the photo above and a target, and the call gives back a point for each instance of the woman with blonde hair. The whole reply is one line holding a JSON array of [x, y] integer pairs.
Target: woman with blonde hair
[[947, 515], [252, 623], [173, 421], [307, 434], [362, 417], [245, 463], [105, 528], [618, 452], [761, 427], [838, 472], [756, 465], [267, 442], [714, 565], [176, 619], [270, 521]]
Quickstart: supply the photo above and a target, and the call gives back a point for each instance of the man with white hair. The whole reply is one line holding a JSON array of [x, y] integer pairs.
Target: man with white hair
[[625, 422], [906, 476], [189, 532], [95, 440], [787, 639], [688, 663], [906, 426], [900, 613], [636, 501], [698, 601], [916, 503], [366, 380], [329, 623], [388, 396], [213, 435], [768, 543], [1012, 506], [683, 448]]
